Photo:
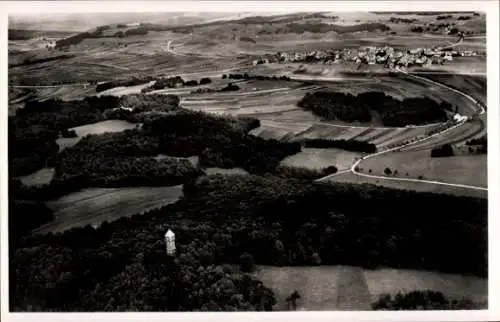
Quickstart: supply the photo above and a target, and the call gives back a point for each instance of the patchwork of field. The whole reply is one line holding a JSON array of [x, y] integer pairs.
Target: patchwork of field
[[109, 58], [349, 177], [95, 128], [325, 288], [96, 205], [38, 178], [473, 85], [18, 96], [461, 66], [457, 136], [467, 170], [313, 158]]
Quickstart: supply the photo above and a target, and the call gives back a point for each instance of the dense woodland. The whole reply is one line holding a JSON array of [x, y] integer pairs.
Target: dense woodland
[[123, 266], [34, 129], [365, 106], [445, 150], [424, 300]]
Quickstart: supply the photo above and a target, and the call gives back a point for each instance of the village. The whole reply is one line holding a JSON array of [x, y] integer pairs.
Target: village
[[387, 56]]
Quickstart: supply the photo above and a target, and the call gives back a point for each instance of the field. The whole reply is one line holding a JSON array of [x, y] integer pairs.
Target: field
[[321, 158], [325, 288], [473, 85], [96, 205], [232, 171], [95, 128], [467, 170], [40, 177], [410, 185]]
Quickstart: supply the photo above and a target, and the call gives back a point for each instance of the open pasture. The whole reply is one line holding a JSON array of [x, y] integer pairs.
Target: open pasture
[[325, 288], [232, 171], [467, 170], [349, 177], [94, 128], [38, 178], [96, 205], [313, 158]]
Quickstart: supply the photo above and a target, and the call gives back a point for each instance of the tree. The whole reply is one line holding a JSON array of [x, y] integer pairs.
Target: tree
[[205, 80], [246, 263], [387, 171], [316, 259], [292, 300]]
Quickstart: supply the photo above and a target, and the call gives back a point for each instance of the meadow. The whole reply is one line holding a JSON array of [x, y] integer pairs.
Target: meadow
[[467, 170], [324, 288], [96, 205], [410, 185], [94, 128], [38, 178], [313, 158]]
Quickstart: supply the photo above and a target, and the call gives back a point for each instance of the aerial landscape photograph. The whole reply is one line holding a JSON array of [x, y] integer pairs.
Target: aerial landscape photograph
[[247, 161]]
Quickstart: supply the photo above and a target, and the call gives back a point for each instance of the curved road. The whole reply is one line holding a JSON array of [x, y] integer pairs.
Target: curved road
[[354, 167]]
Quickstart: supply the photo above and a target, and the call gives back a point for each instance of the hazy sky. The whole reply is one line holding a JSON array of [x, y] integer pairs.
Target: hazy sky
[[85, 21]]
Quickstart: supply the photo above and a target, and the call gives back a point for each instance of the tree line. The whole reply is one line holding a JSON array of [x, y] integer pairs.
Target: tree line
[[172, 82], [424, 300], [445, 150], [247, 76], [123, 82], [361, 108]]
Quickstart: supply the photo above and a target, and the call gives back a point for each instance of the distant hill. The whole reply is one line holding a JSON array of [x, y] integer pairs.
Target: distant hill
[[25, 34]]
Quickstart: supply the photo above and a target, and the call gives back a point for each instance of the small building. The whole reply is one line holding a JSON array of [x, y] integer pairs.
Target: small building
[[170, 242]]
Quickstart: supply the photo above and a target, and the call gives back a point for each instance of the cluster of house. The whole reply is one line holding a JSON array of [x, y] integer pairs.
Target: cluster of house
[[387, 56]]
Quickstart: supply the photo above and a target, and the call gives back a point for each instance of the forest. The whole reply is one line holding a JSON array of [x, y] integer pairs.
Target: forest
[[221, 221], [33, 131], [445, 150], [362, 107]]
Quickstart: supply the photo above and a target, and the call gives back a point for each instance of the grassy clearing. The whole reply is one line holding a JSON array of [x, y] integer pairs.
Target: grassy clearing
[[352, 288], [453, 286], [468, 170], [408, 185], [38, 178], [95, 128], [312, 158], [232, 171], [96, 205], [195, 160]]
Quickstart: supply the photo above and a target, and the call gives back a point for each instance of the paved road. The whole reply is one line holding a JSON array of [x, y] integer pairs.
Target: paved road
[[356, 164]]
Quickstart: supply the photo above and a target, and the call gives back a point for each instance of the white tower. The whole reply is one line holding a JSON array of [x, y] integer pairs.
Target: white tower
[[170, 242]]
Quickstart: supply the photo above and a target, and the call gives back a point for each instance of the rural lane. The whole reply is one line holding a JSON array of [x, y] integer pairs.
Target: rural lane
[[354, 167]]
